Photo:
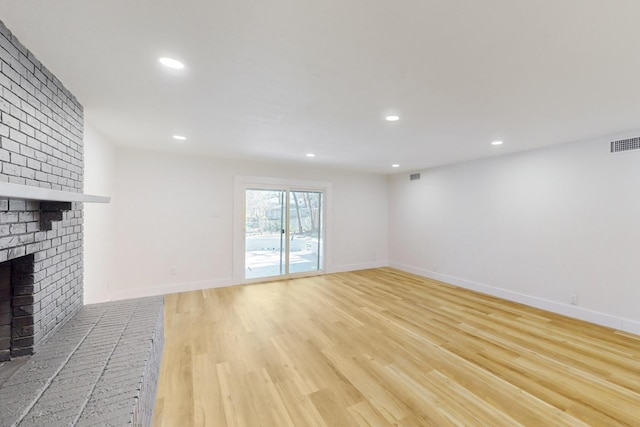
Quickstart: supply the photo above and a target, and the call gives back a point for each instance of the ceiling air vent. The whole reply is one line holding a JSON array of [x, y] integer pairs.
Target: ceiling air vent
[[414, 176], [625, 145]]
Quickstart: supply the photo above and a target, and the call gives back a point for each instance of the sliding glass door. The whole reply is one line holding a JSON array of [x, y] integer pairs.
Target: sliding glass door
[[284, 232], [306, 228], [265, 224]]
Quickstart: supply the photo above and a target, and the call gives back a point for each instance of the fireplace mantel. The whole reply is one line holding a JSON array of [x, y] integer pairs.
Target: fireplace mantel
[[27, 192]]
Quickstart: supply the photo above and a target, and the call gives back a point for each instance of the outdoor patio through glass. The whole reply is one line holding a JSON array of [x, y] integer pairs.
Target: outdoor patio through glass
[[284, 232]]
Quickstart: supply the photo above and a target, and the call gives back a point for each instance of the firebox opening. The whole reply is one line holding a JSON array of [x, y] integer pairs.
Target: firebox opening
[[16, 307]]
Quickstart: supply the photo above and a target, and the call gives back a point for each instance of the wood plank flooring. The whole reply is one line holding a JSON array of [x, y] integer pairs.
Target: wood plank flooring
[[386, 348]]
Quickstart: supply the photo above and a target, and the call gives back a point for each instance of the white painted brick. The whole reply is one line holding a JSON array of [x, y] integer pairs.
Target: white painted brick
[[10, 169], [18, 159], [39, 117]]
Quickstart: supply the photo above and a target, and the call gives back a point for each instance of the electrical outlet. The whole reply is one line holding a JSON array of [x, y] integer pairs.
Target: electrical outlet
[[573, 299], [172, 271]]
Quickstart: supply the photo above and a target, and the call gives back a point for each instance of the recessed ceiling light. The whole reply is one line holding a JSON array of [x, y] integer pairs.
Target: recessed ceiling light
[[171, 63], [180, 137], [311, 155], [496, 143], [395, 166], [392, 118]]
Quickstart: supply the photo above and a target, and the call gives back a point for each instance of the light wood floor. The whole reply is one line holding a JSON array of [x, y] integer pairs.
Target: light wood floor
[[385, 348]]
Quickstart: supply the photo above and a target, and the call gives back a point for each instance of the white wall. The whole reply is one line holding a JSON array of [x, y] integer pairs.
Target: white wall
[[533, 227], [99, 219], [177, 211]]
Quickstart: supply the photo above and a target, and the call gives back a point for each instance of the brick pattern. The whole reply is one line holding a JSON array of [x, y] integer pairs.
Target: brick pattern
[[100, 369], [48, 288], [148, 388], [41, 144], [41, 129], [126, 391]]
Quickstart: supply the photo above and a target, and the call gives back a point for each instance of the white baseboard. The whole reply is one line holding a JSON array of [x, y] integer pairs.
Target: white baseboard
[[355, 267], [581, 313], [171, 288]]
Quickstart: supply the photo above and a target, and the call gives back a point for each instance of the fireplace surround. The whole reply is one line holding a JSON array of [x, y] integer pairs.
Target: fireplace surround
[[40, 272], [92, 365], [41, 148]]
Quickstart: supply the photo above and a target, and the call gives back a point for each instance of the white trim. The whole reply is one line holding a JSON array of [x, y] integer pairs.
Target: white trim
[[265, 180], [279, 278], [581, 313], [356, 267], [28, 192], [242, 182], [170, 288], [174, 288]]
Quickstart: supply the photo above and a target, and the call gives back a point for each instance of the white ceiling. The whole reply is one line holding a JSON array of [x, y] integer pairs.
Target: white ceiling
[[278, 79]]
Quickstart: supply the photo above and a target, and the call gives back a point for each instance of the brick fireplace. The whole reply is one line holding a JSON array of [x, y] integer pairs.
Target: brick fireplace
[[101, 366], [41, 281], [41, 146]]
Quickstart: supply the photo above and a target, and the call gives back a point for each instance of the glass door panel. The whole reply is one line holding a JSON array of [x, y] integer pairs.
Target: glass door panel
[[306, 231], [265, 233]]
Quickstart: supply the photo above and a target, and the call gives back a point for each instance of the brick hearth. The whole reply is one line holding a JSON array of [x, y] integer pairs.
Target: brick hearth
[[101, 368]]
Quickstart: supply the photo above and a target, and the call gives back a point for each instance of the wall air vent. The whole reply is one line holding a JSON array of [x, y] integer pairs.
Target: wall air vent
[[414, 176], [625, 145]]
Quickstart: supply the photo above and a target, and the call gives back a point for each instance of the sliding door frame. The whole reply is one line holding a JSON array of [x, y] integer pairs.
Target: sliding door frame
[[243, 183]]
